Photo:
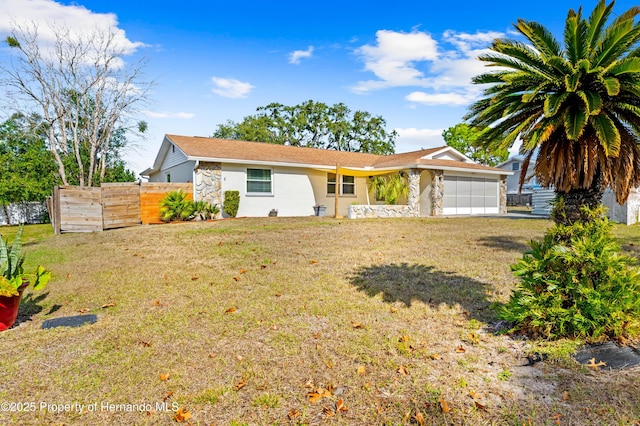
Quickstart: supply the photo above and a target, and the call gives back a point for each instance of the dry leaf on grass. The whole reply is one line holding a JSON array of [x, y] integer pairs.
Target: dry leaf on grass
[[480, 406], [419, 418], [313, 262], [361, 370], [194, 278], [243, 271], [435, 357], [460, 349], [230, 310], [566, 396], [356, 325], [182, 414], [84, 310], [164, 376], [236, 278], [167, 396], [404, 338], [108, 305], [314, 397], [403, 370], [445, 406], [241, 383], [328, 411], [294, 414], [340, 406]]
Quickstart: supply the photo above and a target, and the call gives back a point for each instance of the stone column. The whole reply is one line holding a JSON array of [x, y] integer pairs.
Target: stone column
[[208, 184], [437, 191], [413, 201], [503, 194]]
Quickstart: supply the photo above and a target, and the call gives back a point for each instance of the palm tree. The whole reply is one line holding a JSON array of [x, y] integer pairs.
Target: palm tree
[[577, 106]]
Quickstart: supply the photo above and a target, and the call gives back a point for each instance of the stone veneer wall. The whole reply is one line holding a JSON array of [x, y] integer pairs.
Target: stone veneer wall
[[208, 184], [413, 201], [437, 191], [363, 211]]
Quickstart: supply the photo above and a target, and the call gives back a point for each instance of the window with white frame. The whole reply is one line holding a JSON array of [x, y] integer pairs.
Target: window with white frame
[[259, 181], [347, 184]]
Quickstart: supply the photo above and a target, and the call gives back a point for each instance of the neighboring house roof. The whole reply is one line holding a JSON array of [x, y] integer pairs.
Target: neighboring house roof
[[197, 148]]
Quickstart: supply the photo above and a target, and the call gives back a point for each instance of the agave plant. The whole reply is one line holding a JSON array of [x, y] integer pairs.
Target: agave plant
[[13, 277]]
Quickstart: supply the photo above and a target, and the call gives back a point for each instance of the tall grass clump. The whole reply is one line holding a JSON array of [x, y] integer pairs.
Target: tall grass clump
[[576, 283]]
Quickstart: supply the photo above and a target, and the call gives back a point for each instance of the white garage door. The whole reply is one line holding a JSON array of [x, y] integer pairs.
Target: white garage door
[[470, 195]]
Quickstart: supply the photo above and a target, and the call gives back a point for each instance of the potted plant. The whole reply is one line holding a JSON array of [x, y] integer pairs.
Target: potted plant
[[13, 279]]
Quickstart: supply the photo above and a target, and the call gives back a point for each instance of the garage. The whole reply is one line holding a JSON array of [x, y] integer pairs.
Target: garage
[[468, 195]]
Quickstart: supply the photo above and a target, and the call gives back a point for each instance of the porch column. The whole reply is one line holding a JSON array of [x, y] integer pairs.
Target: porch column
[[208, 183], [413, 201], [437, 190], [503, 194]]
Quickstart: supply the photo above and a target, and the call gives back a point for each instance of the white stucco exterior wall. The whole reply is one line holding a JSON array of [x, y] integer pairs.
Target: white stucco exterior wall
[[292, 193]]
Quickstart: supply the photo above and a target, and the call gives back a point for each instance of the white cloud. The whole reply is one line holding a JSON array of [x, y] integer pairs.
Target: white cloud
[[393, 59], [297, 55], [413, 139], [47, 16], [444, 68], [439, 98], [231, 88], [182, 115]]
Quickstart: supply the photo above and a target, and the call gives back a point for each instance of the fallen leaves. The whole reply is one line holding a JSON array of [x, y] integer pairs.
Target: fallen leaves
[[356, 325], [460, 349], [294, 414], [164, 377], [479, 406], [403, 370], [319, 393], [361, 370], [108, 305], [419, 418], [241, 383], [594, 365], [182, 415], [445, 406], [230, 310]]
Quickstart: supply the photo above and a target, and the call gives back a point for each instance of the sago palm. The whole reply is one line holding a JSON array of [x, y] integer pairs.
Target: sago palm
[[575, 107]]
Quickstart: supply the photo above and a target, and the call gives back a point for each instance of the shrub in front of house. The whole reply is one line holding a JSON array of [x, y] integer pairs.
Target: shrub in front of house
[[231, 203], [576, 283], [176, 206]]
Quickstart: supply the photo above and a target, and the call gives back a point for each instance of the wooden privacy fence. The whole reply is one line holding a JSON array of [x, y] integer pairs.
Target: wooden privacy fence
[[113, 205]]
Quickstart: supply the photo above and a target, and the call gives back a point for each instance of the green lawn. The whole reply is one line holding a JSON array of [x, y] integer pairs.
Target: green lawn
[[294, 321]]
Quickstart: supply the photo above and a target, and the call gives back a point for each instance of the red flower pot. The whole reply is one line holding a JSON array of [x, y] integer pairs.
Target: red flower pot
[[9, 306]]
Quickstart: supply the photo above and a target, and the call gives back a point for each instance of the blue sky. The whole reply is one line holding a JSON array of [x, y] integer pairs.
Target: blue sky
[[408, 61]]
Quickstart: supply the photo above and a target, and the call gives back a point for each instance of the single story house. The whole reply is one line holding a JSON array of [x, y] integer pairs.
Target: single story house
[[295, 180]]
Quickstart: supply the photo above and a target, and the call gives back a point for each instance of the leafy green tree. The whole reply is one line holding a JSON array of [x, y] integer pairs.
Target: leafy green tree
[[577, 105], [313, 124], [28, 170], [464, 138]]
